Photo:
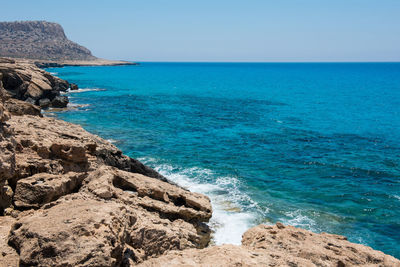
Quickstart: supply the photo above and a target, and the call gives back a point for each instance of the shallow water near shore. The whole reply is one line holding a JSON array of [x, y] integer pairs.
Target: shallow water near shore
[[311, 145]]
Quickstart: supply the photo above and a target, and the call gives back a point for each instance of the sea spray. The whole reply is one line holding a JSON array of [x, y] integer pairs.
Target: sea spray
[[230, 218]]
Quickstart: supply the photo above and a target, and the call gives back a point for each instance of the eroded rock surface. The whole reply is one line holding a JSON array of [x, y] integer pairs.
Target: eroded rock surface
[[279, 245], [19, 108], [75, 231], [7, 153], [53, 146], [25, 81], [42, 188], [8, 255], [73, 199]]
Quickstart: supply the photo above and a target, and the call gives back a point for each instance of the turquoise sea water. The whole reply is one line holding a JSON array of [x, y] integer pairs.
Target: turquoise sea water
[[311, 145]]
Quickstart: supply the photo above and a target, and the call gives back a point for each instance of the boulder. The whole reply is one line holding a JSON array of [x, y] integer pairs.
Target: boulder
[[73, 86], [30, 101], [44, 103], [59, 102]]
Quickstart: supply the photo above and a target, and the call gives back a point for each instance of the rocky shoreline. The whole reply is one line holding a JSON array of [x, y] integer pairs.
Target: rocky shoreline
[[45, 44], [70, 198], [63, 63]]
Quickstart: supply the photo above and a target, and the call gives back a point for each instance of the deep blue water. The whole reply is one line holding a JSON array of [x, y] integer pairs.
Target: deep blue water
[[312, 145]]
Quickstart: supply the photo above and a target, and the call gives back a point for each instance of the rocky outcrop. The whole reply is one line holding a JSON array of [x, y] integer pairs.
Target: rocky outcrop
[[45, 44], [279, 245], [75, 231], [43, 188], [53, 146], [73, 199], [39, 40], [19, 108], [25, 81], [7, 153], [8, 255]]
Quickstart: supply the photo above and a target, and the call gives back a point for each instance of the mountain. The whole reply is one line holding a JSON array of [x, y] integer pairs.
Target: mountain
[[39, 40]]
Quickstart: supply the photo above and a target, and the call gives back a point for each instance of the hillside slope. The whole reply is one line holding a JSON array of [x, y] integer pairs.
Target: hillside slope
[[39, 40]]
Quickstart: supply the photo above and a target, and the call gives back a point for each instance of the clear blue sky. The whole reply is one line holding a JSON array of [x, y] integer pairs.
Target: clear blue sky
[[224, 30]]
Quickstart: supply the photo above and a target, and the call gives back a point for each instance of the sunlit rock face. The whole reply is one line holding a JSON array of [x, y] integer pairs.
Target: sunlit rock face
[[40, 40]]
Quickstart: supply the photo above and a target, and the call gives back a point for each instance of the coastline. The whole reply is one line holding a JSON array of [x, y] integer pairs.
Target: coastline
[[96, 62], [183, 214], [62, 63]]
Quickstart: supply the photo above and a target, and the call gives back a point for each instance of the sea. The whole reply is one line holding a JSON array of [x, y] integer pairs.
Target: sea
[[313, 145]]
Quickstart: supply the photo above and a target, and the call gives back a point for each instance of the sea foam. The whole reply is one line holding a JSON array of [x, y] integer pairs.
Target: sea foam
[[230, 219], [82, 90]]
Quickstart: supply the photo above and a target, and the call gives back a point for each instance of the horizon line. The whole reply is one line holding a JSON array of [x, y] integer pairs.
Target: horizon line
[[308, 62]]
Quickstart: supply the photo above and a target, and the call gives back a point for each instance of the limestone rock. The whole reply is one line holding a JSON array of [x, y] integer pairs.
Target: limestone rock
[[19, 108], [43, 143], [73, 86], [56, 160], [169, 217], [7, 143], [318, 249], [150, 193], [39, 40], [42, 188], [44, 103], [6, 197], [74, 232], [8, 255], [60, 102], [85, 224], [7, 160], [4, 115], [221, 256], [279, 245], [25, 81]]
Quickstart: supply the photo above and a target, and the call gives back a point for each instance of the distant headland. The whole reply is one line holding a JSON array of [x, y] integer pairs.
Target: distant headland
[[45, 44]]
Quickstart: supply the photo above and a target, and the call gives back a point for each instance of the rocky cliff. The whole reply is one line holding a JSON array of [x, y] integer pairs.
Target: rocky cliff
[[27, 82], [70, 198], [39, 40]]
